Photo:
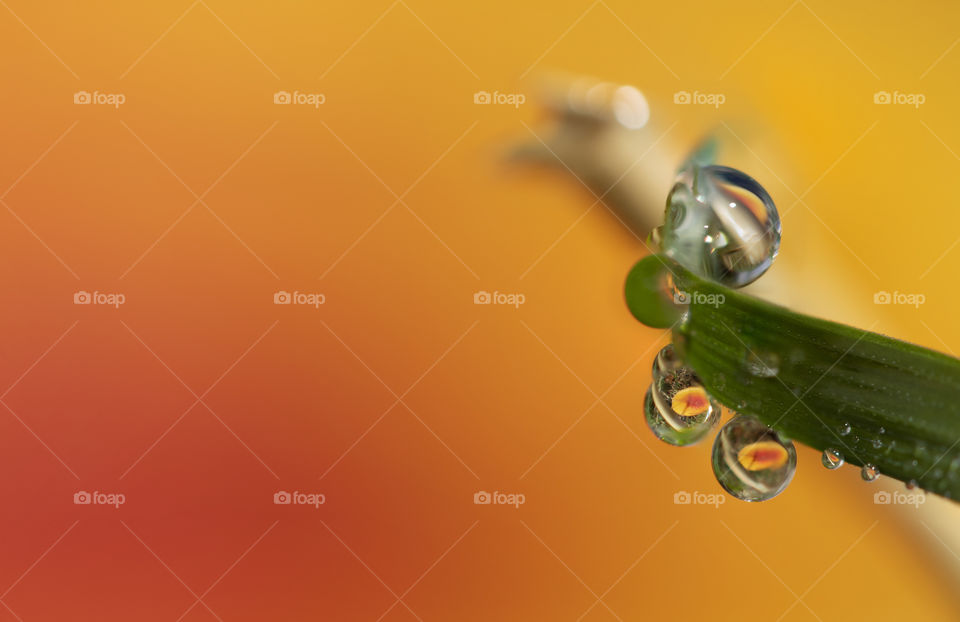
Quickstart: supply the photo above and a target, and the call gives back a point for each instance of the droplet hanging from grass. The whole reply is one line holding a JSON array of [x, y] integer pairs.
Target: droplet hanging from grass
[[832, 459], [677, 408], [751, 461]]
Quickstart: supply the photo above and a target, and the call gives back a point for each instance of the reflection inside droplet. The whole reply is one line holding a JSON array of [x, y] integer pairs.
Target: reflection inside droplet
[[751, 461]]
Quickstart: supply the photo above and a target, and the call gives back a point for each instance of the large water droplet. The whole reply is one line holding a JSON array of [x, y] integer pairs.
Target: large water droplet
[[751, 461], [677, 408], [869, 473], [845, 429], [832, 459], [720, 224]]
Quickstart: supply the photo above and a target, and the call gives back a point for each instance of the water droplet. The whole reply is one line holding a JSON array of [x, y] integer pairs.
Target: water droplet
[[652, 295], [721, 224], [869, 473], [751, 461], [677, 408], [762, 364], [911, 484], [845, 429], [832, 459], [877, 443]]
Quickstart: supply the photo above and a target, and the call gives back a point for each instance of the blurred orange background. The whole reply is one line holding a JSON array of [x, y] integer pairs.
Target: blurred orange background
[[198, 198]]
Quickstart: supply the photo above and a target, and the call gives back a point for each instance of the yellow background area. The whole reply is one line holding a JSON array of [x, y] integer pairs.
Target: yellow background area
[[394, 200]]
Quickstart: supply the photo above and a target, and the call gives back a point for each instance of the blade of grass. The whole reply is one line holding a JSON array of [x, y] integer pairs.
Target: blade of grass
[[812, 380]]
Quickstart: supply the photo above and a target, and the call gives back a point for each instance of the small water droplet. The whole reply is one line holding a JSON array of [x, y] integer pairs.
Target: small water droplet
[[677, 408], [762, 364], [652, 295], [877, 443], [845, 429], [751, 461], [911, 484], [869, 473], [832, 459], [721, 224]]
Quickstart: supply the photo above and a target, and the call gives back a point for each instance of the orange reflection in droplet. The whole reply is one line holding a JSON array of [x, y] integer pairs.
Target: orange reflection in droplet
[[762, 455], [690, 402]]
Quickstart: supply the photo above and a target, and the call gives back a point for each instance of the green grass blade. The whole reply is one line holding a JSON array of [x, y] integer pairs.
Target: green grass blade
[[901, 401]]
